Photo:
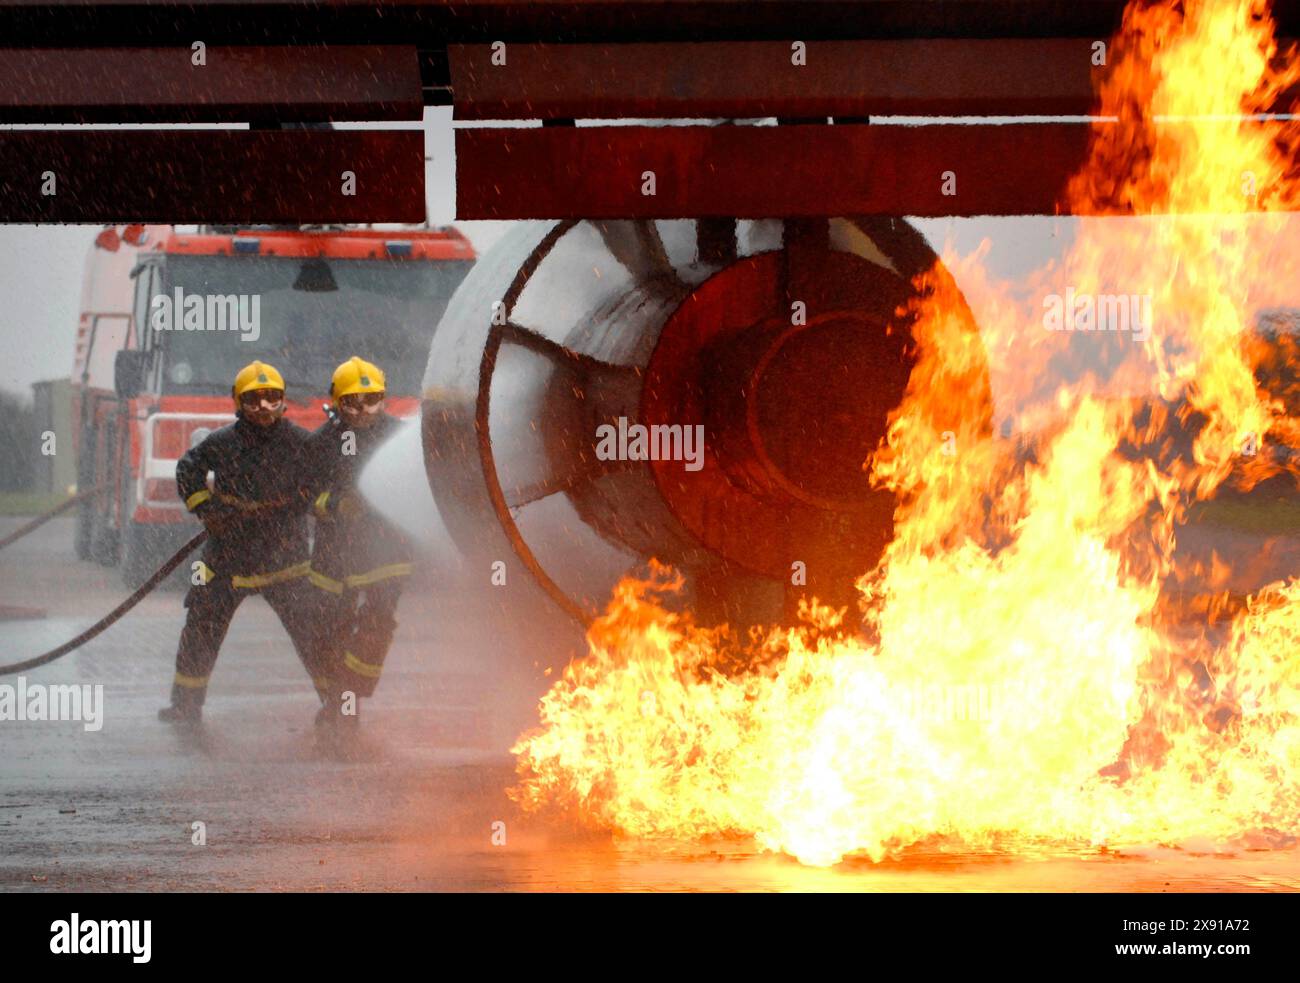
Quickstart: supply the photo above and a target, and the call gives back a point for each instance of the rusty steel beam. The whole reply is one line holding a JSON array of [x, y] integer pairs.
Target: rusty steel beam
[[434, 23], [220, 176], [798, 170], [759, 172], [245, 83], [1004, 77]]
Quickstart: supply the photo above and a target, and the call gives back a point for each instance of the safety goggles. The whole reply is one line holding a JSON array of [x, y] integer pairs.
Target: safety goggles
[[358, 400], [271, 398]]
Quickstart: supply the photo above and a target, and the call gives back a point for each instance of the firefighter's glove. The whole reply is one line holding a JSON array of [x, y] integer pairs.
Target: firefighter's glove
[[350, 506]]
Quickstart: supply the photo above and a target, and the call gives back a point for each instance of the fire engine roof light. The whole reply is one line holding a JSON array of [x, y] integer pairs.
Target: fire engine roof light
[[246, 245], [108, 239], [396, 248]]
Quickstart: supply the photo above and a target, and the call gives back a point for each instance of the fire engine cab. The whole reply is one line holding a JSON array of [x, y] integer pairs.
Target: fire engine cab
[[146, 387]]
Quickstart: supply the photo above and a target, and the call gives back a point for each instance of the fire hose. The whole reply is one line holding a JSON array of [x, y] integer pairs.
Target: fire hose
[[45, 517], [113, 616]]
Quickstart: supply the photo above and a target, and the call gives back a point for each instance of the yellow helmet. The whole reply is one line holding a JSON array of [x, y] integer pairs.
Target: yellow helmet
[[356, 375], [256, 375]]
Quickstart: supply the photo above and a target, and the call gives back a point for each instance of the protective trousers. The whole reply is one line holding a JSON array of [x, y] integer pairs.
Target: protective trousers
[[359, 624], [211, 607]]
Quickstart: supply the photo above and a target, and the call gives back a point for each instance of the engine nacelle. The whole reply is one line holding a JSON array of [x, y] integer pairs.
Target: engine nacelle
[[578, 361]]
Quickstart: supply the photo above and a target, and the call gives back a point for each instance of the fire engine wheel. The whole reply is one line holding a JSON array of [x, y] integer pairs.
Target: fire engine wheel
[[785, 343], [87, 510], [106, 542], [139, 559], [81, 540], [96, 538], [146, 547]]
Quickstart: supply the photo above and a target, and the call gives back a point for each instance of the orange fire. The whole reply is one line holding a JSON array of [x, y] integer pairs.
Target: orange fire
[[1026, 682]]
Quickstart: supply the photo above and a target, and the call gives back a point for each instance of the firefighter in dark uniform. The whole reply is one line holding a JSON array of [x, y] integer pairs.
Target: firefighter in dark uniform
[[359, 562], [256, 517]]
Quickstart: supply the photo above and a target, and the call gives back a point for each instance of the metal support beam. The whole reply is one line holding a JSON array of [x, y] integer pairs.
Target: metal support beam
[[1003, 77], [221, 176], [242, 84], [760, 172], [790, 171], [430, 23]]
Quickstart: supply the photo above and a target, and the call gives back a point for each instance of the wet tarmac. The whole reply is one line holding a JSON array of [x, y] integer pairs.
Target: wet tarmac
[[116, 809]]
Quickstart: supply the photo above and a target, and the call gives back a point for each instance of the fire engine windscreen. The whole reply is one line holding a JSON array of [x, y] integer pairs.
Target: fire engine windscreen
[[383, 310]]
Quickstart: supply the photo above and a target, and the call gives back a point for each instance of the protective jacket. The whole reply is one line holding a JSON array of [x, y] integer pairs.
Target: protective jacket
[[260, 494], [354, 547]]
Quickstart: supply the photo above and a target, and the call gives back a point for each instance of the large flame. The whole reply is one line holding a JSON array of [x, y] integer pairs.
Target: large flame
[[1026, 679]]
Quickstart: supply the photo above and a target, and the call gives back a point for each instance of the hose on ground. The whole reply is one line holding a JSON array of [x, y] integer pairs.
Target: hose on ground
[[45, 517], [113, 616]]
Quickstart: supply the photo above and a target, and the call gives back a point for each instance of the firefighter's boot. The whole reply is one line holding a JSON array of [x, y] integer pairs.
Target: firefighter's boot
[[338, 723], [349, 717], [186, 706], [346, 735], [337, 706], [328, 696]]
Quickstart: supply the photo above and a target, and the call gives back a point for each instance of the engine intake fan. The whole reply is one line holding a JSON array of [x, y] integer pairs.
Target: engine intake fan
[[783, 342]]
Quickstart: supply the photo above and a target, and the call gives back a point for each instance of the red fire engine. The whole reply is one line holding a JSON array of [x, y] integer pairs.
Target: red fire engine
[[146, 387]]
